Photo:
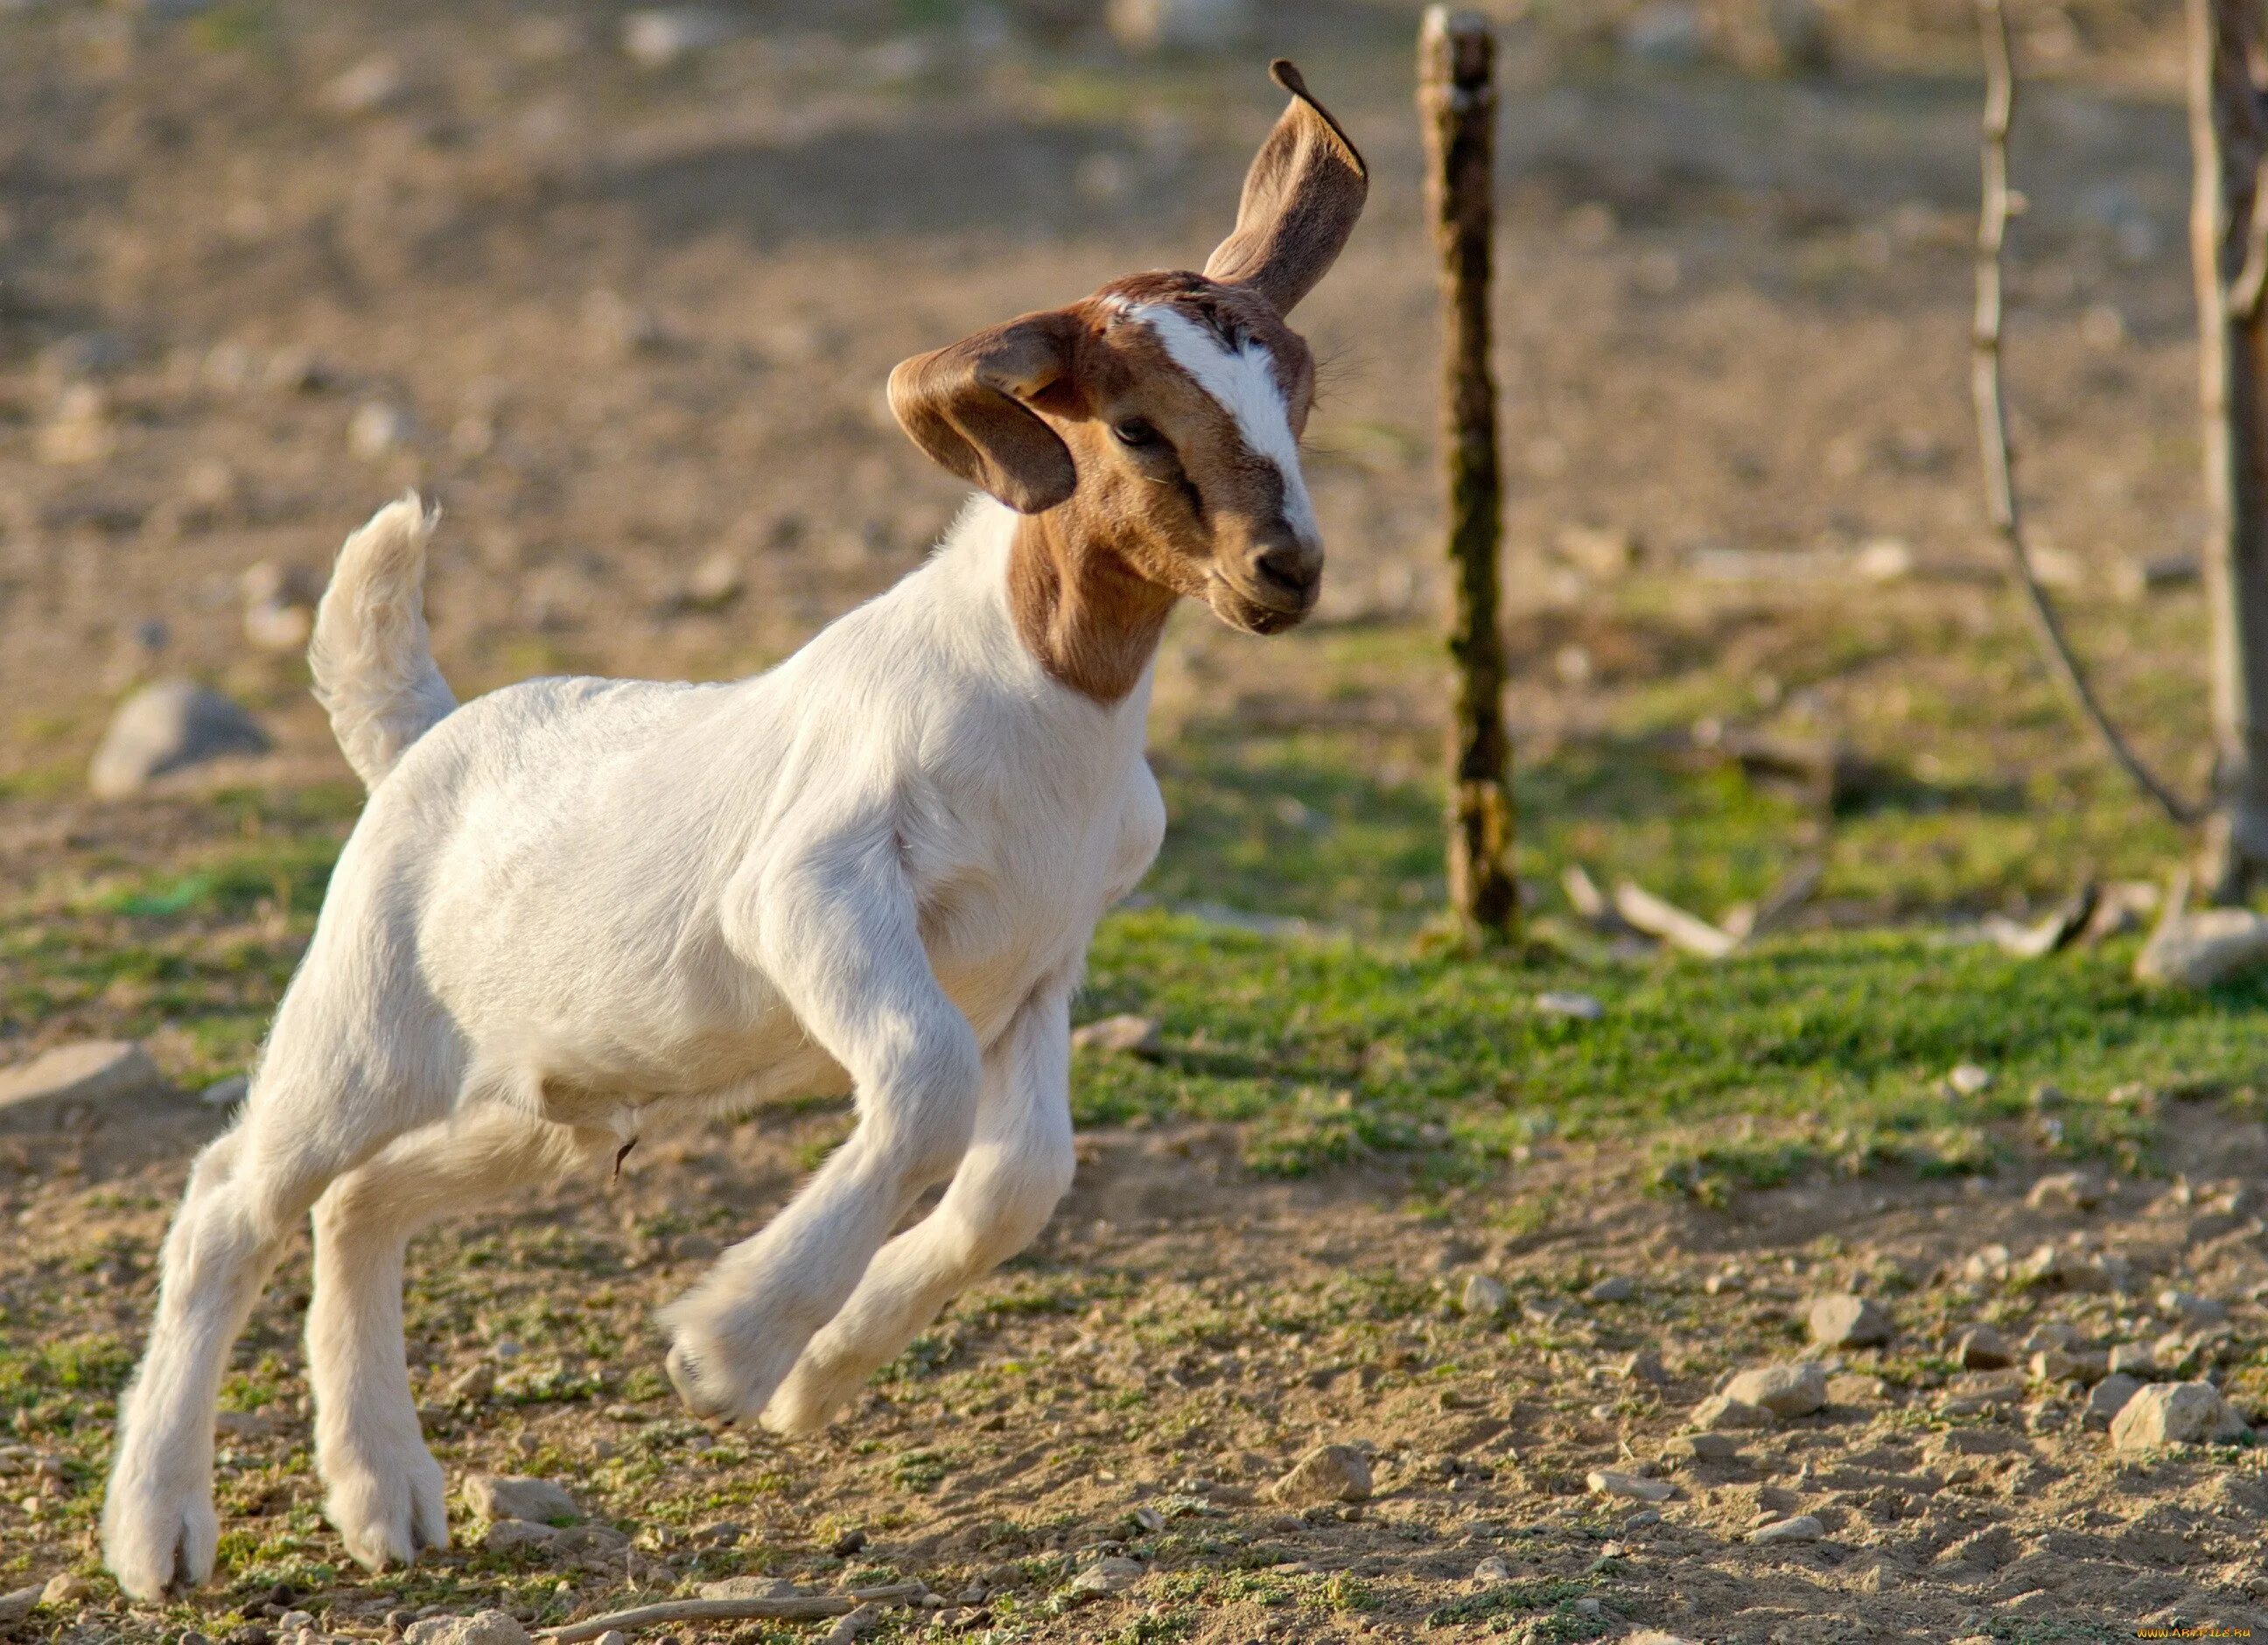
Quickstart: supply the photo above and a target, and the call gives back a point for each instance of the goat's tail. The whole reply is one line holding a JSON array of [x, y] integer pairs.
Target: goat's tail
[[371, 655]]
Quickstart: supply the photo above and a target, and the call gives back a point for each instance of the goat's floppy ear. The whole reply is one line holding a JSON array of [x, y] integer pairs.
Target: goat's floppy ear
[[969, 407], [1301, 198]]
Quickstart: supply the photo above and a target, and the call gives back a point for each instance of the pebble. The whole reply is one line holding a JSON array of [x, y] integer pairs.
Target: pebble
[[504, 1535], [2134, 1358], [1981, 1348], [483, 1627], [2191, 1308], [1642, 1366], [1847, 1321], [2062, 1365], [1615, 1287], [2108, 1397], [1721, 1412], [1566, 1003], [1802, 1528], [2174, 1413], [15, 1606], [379, 429], [1654, 1636], [657, 38], [1785, 1390], [33, 1092], [1495, 1568], [1483, 1298], [1125, 1036], [67, 1589], [1704, 1447], [1968, 1080], [503, 1496], [1605, 1482], [225, 1092], [1197, 25], [1857, 1388], [169, 726], [716, 583], [2065, 1191], [1329, 1473], [1109, 1576], [374, 85]]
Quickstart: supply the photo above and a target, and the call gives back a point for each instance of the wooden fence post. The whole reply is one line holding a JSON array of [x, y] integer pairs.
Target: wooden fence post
[[2228, 230], [1456, 96]]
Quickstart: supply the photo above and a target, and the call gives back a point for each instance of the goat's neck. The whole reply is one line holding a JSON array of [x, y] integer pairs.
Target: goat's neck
[[1080, 607]]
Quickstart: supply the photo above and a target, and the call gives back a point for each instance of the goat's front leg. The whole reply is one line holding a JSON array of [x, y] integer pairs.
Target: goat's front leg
[[1017, 1167], [834, 929]]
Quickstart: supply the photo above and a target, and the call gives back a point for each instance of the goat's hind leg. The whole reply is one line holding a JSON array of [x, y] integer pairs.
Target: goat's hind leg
[[304, 1123], [384, 1491]]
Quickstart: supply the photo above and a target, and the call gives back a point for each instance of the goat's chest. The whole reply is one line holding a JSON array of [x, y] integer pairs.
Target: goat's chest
[[1010, 885]]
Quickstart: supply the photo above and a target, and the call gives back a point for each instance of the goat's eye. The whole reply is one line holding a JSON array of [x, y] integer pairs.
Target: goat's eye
[[1137, 433]]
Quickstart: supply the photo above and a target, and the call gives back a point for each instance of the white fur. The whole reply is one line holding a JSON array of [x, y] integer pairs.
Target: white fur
[[1243, 381], [575, 909]]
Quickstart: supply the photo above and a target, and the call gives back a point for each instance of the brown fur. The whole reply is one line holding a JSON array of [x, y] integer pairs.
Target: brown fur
[[1033, 412]]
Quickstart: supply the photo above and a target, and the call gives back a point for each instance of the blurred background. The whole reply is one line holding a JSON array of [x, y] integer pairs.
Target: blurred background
[[619, 288]]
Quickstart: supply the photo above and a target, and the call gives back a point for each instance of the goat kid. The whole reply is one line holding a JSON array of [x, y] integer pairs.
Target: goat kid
[[579, 909]]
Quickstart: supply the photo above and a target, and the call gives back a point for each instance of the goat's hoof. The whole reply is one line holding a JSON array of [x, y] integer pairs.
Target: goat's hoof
[[158, 1543], [703, 1400]]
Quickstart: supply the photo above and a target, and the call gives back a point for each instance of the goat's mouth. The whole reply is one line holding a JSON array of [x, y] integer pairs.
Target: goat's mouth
[[1261, 611]]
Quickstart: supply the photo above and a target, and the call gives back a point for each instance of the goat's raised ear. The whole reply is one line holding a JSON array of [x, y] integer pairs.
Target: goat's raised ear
[[1301, 198], [969, 407]]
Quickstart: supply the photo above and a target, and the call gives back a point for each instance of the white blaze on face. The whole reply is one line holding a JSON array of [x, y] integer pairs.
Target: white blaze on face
[[1243, 381]]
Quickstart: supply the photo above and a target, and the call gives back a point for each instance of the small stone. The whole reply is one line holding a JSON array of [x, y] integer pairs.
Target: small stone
[[67, 1589], [1987, 1265], [483, 1627], [1329, 1473], [716, 583], [2199, 948], [2191, 1309], [1886, 560], [1615, 1287], [1847, 1321], [1704, 1447], [1654, 1636], [1483, 1298], [1857, 1388], [1630, 1487], [1642, 1366], [501, 1496], [2108, 1397], [2064, 1365], [16, 1606], [612, 1636], [2065, 1191], [1192, 26], [472, 1385], [1560, 1002], [1668, 34], [1802, 1528], [225, 1092], [504, 1535], [1721, 1412], [371, 85], [1966, 1079], [2135, 1359], [1125, 1035], [1109, 1576], [379, 429], [1785, 1390], [657, 37], [849, 1542], [2174, 1413], [1495, 1568], [169, 727], [34, 1093], [1981, 1348]]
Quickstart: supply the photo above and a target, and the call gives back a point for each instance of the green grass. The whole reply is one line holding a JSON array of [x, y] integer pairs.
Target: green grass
[[1829, 1047]]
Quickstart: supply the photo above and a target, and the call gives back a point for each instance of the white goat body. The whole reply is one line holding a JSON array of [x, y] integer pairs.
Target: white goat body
[[575, 908]]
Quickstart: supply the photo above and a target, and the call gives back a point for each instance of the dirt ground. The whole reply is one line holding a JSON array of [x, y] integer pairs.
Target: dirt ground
[[1132, 1388], [629, 326]]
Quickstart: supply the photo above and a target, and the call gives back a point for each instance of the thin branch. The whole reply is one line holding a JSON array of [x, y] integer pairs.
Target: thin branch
[[788, 1607], [2000, 501]]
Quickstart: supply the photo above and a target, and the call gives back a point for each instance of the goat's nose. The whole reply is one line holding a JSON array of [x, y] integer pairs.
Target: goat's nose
[[1289, 568]]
